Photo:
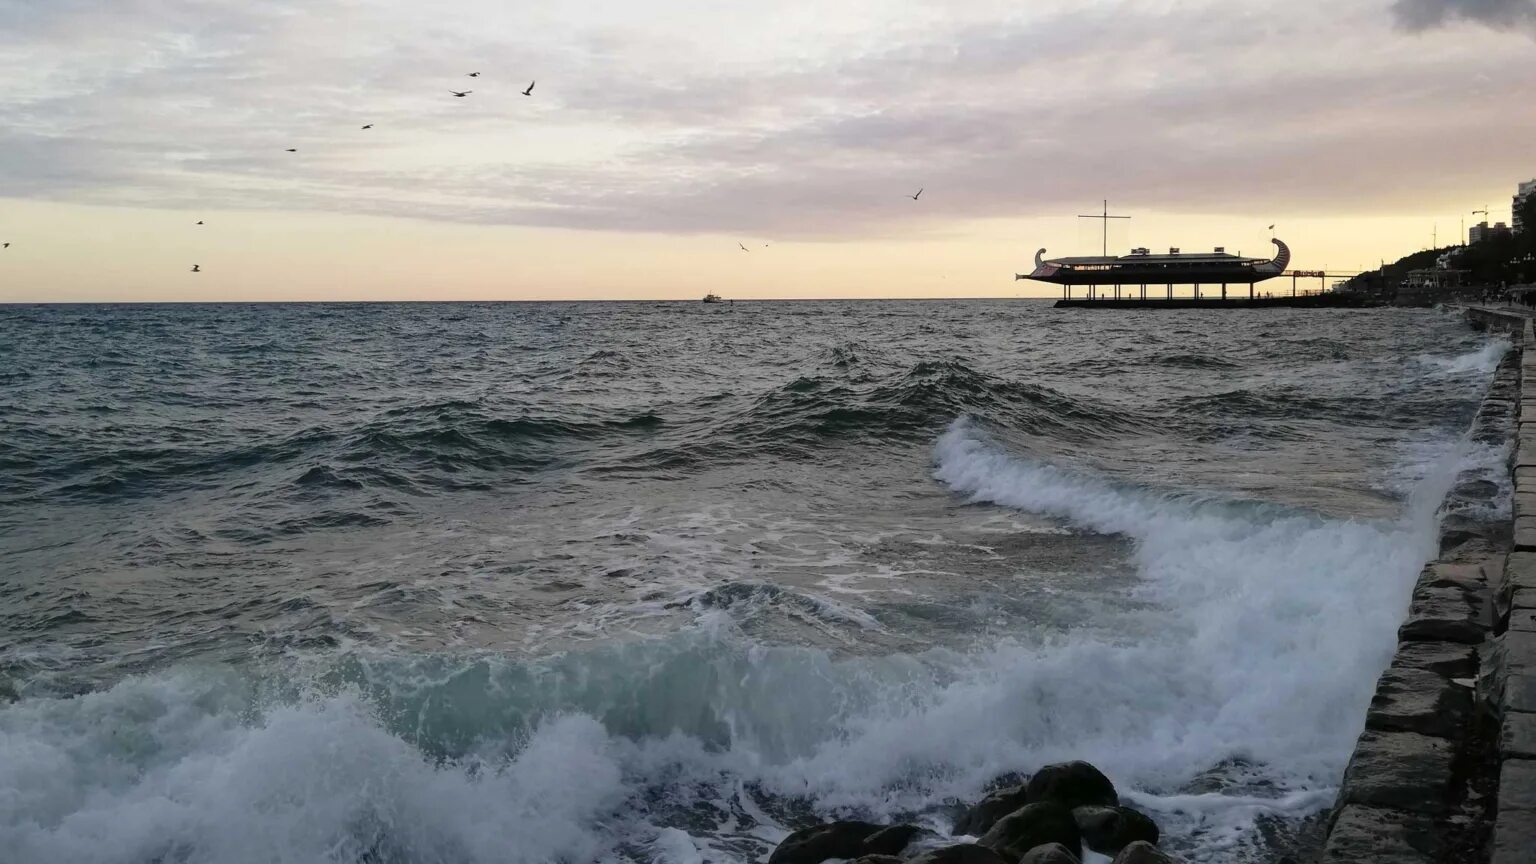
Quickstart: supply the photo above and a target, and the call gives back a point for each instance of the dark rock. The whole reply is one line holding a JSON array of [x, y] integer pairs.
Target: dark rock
[[879, 859], [1402, 770], [1050, 853], [1072, 784], [1522, 620], [1451, 659], [819, 842], [1445, 612], [892, 840], [1380, 836], [962, 853], [1517, 785], [1518, 693], [1030, 826], [1107, 830], [1514, 836], [979, 819], [1417, 700], [1517, 735], [1142, 852]]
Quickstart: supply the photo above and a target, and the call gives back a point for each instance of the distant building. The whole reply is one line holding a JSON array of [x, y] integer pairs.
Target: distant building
[[1523, 194], [1483, 231], [1434, 277]]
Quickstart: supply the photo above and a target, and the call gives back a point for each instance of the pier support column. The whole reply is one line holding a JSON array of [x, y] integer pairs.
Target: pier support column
[[1223, 290], [1250, 290]]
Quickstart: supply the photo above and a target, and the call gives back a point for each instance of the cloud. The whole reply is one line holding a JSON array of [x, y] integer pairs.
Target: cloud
[[1499, 14], [643, 127]]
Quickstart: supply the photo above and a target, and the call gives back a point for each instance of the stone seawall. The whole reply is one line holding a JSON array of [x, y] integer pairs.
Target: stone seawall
[[1439, 774]]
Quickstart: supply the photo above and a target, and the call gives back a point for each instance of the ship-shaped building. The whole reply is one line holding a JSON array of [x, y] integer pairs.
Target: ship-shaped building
[[1143, 268]]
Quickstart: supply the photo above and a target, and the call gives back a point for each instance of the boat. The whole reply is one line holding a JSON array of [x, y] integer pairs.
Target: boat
[[1141, 267], [712, 298]]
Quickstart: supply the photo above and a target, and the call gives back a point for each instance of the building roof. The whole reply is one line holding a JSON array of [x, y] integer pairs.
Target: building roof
[[1172, 258]]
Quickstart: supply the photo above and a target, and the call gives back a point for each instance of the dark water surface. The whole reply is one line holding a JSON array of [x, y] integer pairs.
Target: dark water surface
[[533, 582]]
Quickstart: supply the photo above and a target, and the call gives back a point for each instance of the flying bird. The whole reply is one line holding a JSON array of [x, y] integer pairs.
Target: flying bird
[[461, 94], [743, 248], [5, 246], [1271, 227], [369, 126], [196, 269], [199, 221], [293, 149], [919, 192], [529, 91], [474, 74]]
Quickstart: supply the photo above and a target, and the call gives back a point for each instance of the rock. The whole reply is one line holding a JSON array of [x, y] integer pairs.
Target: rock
[[819, 842], [1514, 836], [1402, 770], [979, 819], [1050, 853], [1107, 830], [1380, 836], [1417, 700], [963, 853], [1030, 826], [1525, 532], [1450, 659], [892, 840], [1517, 785], [1517, 737], [1450, 613], [1142, 852], [1072, 784], [879, 859]]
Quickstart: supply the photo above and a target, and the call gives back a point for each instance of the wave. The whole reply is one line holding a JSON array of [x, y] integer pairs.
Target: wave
[[708, 742]]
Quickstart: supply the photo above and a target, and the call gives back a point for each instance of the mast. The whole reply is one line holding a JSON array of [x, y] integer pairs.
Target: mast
[[1106, 217]]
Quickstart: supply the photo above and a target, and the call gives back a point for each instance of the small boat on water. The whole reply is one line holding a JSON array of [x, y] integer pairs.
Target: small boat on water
[[712, 298]]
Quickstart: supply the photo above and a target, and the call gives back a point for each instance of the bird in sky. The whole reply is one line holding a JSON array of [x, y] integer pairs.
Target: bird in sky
[[369, 126], [461, 93], [293, 149], [743, 247], [474, 74], [919, 192], [529, 91], [1271, 227], [199, 221], [196, 269], [6, 246]]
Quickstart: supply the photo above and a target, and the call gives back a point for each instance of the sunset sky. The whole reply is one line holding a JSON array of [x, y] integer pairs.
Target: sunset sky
[[662, 134]]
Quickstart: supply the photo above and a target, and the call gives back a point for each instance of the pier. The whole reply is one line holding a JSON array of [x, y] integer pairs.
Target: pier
[[1445, 770]]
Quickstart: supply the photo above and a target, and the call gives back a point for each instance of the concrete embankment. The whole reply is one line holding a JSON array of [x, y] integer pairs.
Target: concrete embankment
[[1445, 770]]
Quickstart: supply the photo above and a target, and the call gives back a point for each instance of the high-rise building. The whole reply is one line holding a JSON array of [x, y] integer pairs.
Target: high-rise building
[[1483, 231], [1522, 195]]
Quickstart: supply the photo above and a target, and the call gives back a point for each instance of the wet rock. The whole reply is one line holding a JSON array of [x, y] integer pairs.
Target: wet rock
[[1417, 700], [962, 853], [892, 840], [879, 859], [1450, 659], [1072, 784], [1050, 853], [1517, 735], [1402, 770], [1030, 826], [1380, 836], [1517, 785], [819, 842], [1142, 852], [1445, 612], [979, 819], [1514, 836], [1107, 830]]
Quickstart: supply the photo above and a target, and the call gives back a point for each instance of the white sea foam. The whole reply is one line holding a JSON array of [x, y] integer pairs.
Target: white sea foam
[[1263, 631]]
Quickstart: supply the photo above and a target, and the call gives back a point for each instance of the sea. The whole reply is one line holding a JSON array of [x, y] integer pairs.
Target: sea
[[467, 583]]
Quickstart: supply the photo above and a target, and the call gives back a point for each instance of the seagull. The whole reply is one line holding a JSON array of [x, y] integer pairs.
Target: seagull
[[529, 91], [5, 246], [919, 192], [293, 149], [196, 269], [199, 221], [369, 126], [743, 248], [474, 74], [460, 94], [1271, 227]]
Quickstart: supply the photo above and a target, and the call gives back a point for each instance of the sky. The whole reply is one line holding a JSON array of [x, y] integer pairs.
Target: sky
[[663, 136]]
